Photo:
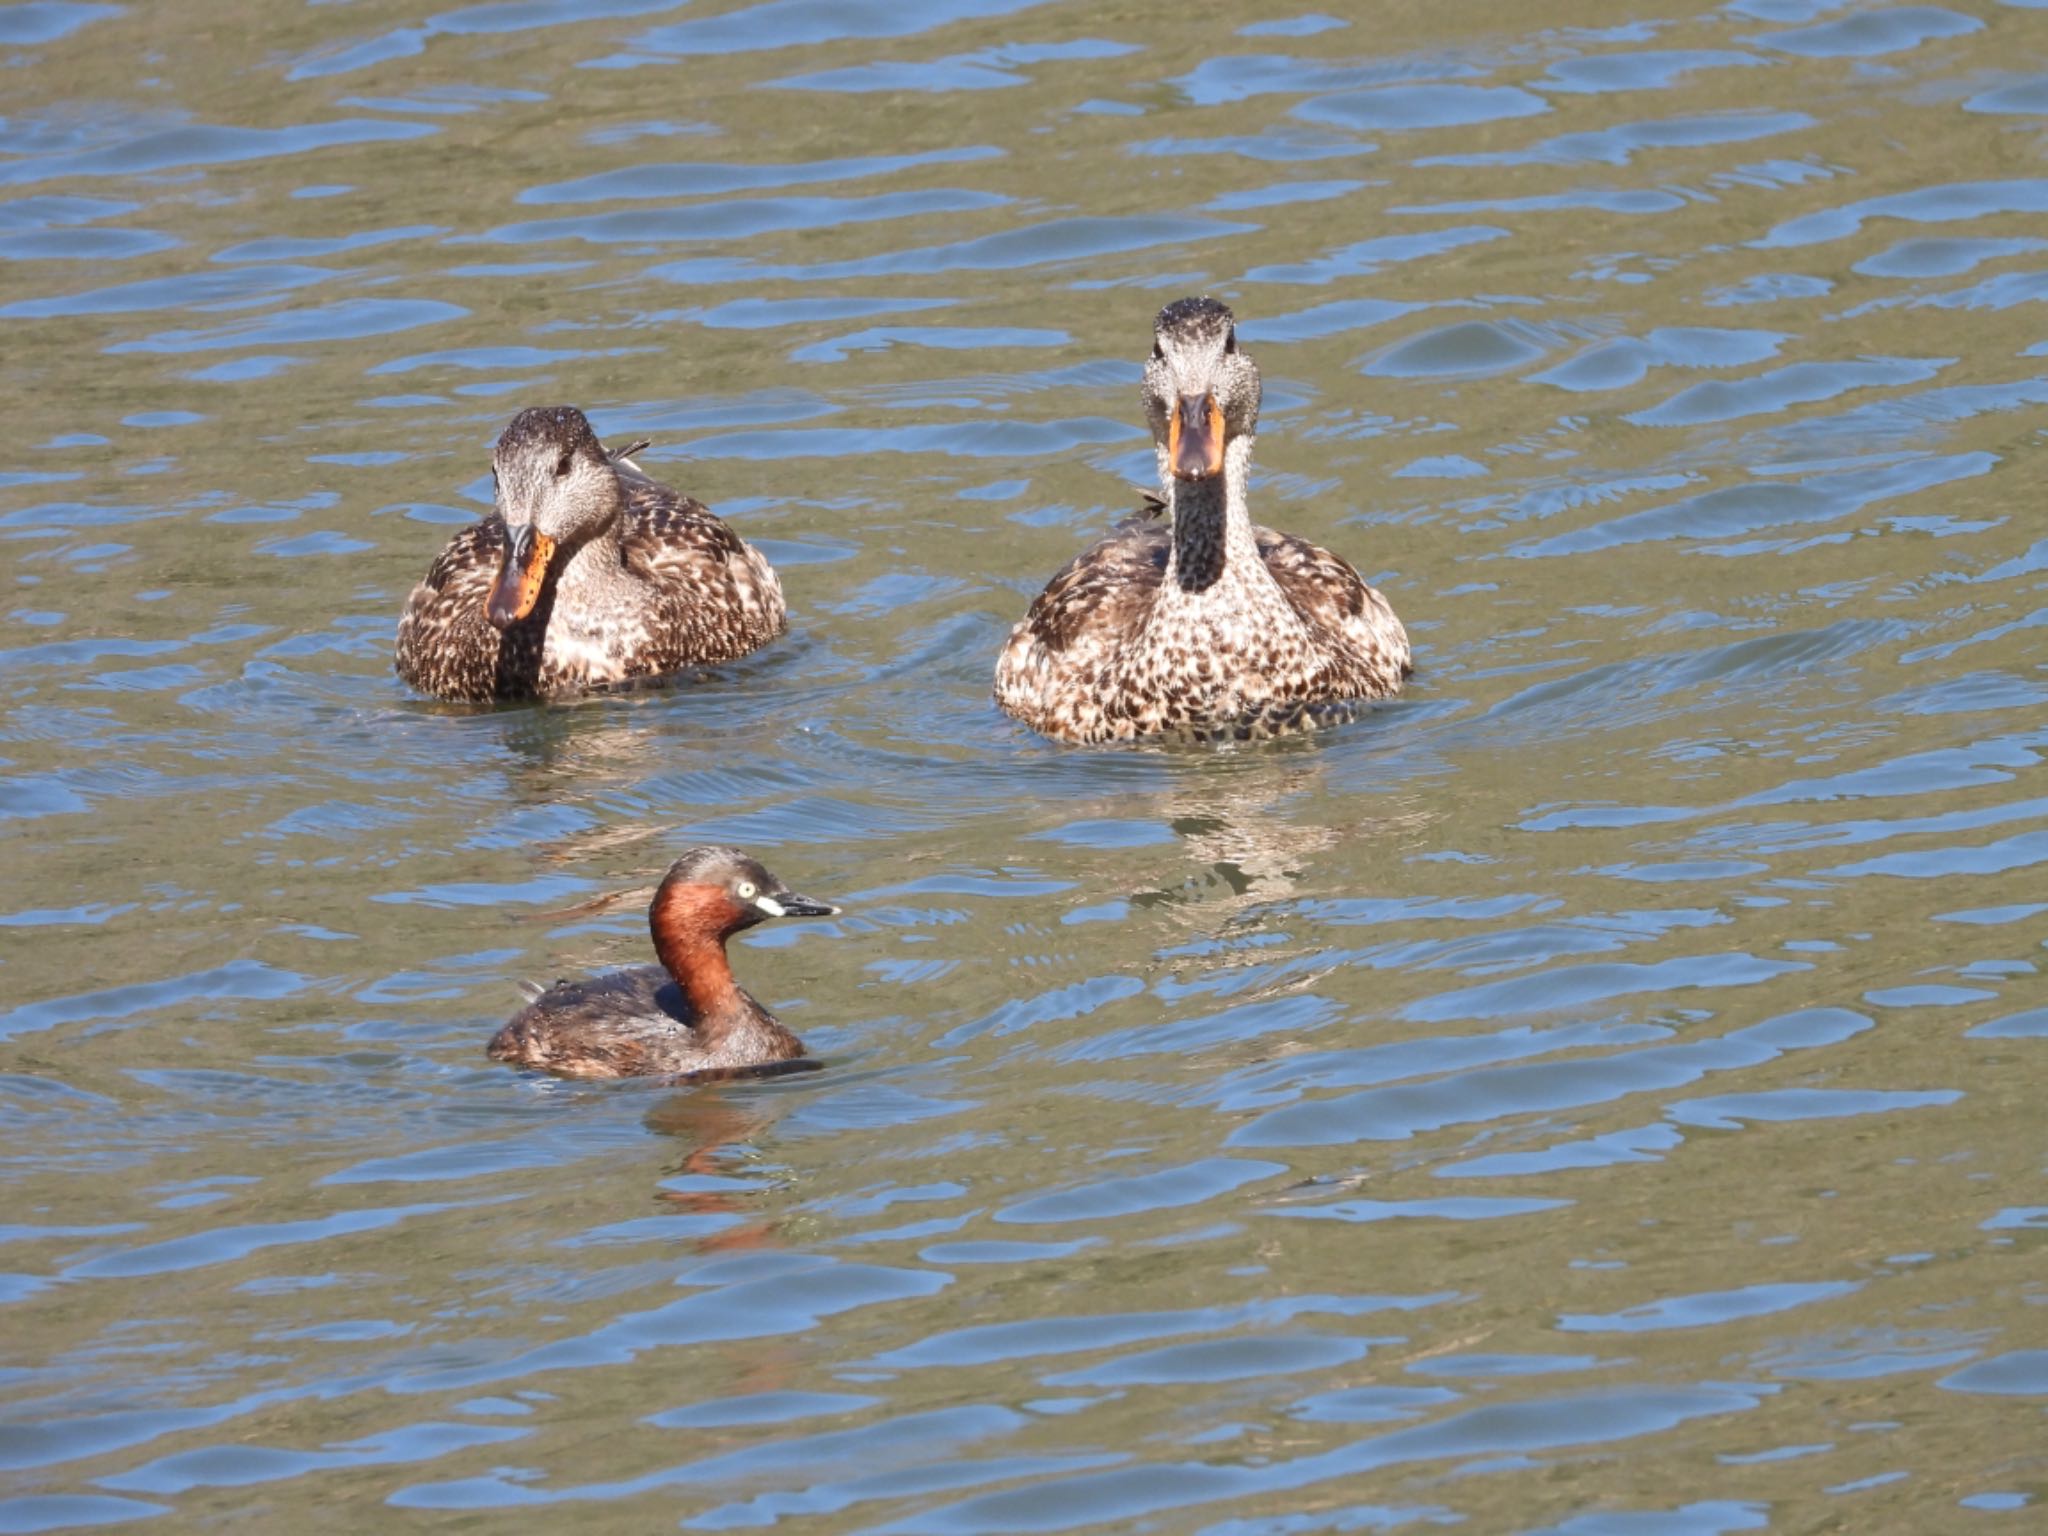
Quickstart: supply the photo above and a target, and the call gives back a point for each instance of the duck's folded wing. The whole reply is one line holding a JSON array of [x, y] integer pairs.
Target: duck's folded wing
[[469, 563], [1327, 590], [445, 644], [670, 535], [1103, 591]]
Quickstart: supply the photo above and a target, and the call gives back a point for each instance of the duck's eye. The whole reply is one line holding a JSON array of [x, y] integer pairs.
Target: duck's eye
[[1158, 353], [562, 464], [1230, 341], [745, 890]]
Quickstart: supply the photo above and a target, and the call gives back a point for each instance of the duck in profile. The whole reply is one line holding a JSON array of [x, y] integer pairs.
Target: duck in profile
[[1203, 624], [588, 573], [686, 1015]]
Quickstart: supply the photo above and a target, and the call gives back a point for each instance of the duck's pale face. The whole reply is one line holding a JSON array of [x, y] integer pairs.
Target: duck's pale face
[[562, 490], [1200, 390]]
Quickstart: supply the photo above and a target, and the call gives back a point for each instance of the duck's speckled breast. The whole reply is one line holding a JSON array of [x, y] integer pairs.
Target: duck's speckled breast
[[1114, 650]]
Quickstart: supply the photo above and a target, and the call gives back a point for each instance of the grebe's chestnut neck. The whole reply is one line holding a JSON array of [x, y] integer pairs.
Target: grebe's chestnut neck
[[707, 896]]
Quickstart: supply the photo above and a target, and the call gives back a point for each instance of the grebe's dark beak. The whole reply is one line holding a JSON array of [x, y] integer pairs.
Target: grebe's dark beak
[[521, 577], [789, 904]]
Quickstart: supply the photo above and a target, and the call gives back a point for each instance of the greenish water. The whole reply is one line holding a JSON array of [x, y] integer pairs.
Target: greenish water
[[1597, 1094]]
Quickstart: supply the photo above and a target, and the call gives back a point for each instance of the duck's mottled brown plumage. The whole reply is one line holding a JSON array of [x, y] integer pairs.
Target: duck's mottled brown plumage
[[1203, 623], [684, 1017], [656, 583]]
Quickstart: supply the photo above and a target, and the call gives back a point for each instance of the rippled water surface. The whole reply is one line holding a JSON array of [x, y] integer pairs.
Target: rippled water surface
[[1598, 1094]]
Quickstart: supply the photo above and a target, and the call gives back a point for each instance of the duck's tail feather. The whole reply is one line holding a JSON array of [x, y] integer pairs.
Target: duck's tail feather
[[623, 457]]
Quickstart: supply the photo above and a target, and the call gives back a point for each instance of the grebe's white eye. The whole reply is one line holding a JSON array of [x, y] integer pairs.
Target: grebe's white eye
[[745, 890]]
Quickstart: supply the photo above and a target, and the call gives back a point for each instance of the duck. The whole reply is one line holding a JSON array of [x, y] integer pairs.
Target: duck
[[1189, 619], [686, 1016], [589, 573]]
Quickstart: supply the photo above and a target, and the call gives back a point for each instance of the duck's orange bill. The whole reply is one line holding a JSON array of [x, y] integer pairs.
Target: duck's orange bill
[[1194, 438], [520, 577]]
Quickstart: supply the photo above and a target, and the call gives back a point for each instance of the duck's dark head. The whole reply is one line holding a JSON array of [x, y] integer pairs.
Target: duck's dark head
[[1201, 389], [714, 893], [555, 489]]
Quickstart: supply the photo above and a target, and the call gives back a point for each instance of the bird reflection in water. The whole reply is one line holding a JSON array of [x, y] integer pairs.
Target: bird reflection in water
[[718, 1127]]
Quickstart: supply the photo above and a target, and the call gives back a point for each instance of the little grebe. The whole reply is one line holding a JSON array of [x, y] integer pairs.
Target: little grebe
[[685, 1015], [587, 574], [1205, 624]]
